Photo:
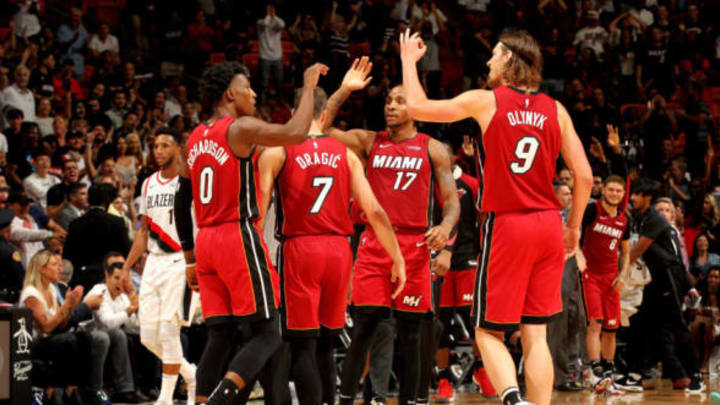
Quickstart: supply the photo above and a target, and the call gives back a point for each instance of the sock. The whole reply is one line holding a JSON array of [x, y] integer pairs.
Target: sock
[[225, 393], [167, 388], [597, 367], [511, 396], [608, 366], [187, 371]]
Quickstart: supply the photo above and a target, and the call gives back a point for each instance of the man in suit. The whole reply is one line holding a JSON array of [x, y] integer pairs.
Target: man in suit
[[93, 235], [77, 204]]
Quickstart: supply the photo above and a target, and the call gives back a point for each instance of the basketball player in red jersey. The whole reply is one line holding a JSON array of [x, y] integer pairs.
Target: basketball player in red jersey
[[520, 270], [402, 166], [234, 274], [606, 233], [314, 182]]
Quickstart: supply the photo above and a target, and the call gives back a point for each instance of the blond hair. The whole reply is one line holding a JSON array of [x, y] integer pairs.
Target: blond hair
[[33, 275], [524, 69]]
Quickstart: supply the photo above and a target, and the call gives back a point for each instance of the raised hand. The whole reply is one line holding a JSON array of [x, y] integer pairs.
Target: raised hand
[[312, 74], [468, 147], [412, 47], [356, 77], [613, 137]]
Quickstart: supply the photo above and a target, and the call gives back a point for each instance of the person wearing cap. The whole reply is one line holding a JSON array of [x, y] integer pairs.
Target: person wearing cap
[[12, 271], [25, 233], [592, 35]]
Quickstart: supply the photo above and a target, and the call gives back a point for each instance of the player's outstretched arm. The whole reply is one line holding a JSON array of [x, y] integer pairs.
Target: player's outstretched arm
[[378, 219], [246, 131], [472, 103], [574, 155], [437, 236], [183, 220], [355, 79], [269, 165]]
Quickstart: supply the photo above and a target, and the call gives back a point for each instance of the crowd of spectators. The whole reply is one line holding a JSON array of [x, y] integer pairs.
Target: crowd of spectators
[[83, 89]]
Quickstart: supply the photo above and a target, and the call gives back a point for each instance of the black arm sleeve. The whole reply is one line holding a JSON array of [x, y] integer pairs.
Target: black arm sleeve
[[183, 218]]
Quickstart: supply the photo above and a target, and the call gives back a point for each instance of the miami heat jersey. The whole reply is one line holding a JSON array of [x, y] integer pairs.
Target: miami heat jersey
[[225, 187], [156, 204], [601, 237], [313, 189], [522, 144], [400, 174]]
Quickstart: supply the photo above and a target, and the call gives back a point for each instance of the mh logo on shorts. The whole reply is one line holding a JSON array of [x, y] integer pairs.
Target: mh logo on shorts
[[412, 301], [467, 297]]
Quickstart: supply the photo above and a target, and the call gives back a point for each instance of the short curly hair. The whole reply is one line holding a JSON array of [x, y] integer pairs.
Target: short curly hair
[[217, 78]]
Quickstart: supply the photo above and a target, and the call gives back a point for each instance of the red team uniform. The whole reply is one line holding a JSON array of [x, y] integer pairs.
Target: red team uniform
[[521, 264], [401, 176], [602, 234], [313, 223], [236, 278]]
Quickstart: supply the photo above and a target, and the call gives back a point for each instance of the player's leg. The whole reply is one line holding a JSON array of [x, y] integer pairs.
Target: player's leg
[[430, 331], [592, 300], [365, 321], [442, 355], [499, 296], [612, 314], [326, 362], [543, 301]]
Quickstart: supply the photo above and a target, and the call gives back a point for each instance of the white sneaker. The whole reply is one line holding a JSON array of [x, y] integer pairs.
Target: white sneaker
[[598, 384]]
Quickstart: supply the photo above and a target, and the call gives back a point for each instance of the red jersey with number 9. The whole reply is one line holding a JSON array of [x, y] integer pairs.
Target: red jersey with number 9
[[521, 145], [314, 189], [225, 187], [401, 176]]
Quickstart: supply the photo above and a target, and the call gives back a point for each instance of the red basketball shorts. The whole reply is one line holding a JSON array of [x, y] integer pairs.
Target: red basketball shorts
[[315, 277], [457, 288], [235, 275], [519, 277], [371, 281], [602, 302]]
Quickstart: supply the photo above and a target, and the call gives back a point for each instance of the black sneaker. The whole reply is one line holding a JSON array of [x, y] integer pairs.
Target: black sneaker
[[697, 385], [630, 383]]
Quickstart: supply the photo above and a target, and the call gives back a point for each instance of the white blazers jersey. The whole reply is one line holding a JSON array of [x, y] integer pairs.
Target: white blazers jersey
[[156, 204]]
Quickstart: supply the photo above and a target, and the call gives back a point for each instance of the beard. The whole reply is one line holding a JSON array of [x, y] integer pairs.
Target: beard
[[168, 163], [494, 80]]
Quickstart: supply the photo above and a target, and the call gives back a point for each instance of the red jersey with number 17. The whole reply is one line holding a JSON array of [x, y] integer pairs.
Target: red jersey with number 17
[[225, 187], [401, 176], [521, 145], [314, 189]]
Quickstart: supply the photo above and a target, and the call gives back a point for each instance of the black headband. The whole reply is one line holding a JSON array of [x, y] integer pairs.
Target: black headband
[[518, 53]]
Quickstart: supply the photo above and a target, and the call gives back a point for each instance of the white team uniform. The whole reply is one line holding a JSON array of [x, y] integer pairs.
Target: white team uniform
[[163, 287]]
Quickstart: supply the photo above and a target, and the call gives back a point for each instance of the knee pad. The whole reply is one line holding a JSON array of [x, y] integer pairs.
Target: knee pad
[[149, 339], [170, 342]]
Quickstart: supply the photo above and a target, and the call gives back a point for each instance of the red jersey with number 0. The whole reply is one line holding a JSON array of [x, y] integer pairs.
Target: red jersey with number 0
[[224, 186], [521, 145], [314, 189], [401, 176]]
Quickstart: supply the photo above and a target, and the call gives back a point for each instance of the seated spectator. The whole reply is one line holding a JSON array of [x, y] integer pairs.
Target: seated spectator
[[13, 271], [705, 327], [103, 41], [93, 235], [57, 195], [25, 233], [118, 110], [18, 95], [702, 259], [21, 148], [76, 205], [67, 87], [40, 296], [37, 184], [43, 118], [117, 311]]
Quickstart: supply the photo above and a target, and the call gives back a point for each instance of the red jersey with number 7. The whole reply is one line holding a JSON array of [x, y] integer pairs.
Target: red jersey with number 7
[[401, 176], [225, 187], [521, 145], [313, 189]]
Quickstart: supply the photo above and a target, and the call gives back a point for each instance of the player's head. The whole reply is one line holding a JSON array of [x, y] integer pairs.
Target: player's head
[[563, 193], [227, 84], [319, 103], [665, 206], [166, 147], [516, 61], [643, 191], [613, 190], [396, 114]]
